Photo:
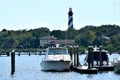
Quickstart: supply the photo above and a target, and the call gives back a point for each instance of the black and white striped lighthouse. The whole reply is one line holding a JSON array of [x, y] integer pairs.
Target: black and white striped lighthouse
[[70, 18]]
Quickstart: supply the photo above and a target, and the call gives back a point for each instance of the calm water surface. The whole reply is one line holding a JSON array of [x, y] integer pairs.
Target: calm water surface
[[28, 68]]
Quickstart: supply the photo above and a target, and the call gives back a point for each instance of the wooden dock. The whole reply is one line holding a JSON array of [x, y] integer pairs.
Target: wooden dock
[[94, 70], [94, 54], [84, 70], [105, 68], [4, 54]]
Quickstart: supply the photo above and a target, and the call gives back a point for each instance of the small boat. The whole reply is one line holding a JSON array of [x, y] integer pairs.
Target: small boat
[[96, 58], [56, 59], [117, 65]]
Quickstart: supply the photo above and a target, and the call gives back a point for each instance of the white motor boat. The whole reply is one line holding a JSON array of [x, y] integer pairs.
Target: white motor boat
[[57, 59], [117, 65]]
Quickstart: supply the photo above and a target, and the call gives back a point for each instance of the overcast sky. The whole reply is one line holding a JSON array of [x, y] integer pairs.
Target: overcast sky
[[31, 14]]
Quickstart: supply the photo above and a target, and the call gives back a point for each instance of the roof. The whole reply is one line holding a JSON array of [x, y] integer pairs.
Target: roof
[[49, 37], [63, 41], [54, 40], [57, 48]]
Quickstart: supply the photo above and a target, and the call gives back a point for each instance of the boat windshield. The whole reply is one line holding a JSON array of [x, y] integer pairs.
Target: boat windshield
[[57, 51]]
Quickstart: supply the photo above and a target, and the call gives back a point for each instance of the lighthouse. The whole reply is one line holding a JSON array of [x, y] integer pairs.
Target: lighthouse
[[70, 18]]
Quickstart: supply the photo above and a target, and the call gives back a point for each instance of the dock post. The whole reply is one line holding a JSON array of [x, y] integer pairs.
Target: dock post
[[19, 54], [70, 52], [29, 54], [90, 57], [100, 56], [7, 53], [77, 56], [12, 62]]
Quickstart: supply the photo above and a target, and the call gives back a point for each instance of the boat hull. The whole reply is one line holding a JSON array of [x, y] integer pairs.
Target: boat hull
[[55, 65]]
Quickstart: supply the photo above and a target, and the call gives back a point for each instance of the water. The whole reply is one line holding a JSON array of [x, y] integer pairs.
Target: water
[[28, 68]]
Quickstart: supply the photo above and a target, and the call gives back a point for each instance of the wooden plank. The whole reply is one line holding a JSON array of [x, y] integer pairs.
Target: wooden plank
[[84, 70]]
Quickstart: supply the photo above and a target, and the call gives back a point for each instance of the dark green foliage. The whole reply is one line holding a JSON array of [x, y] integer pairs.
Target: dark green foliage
[[56, 33], [71, 33], [22, 39], [105, 35], [40, 32]]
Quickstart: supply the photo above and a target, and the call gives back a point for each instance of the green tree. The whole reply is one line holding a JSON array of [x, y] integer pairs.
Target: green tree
[[86, 38], [56, 33]]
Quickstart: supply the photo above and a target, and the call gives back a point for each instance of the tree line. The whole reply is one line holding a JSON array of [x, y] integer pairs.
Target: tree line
[[105, 35]]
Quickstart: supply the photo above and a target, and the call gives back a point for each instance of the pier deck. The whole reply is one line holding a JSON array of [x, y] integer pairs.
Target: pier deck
[[105, 68], [94, 70], [84, 70]]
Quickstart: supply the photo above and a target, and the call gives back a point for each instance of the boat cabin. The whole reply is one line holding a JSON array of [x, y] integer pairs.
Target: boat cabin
[[57, 51], [97, 57]]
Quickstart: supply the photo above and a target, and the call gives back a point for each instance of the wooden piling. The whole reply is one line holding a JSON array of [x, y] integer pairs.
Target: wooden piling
[[29, 54], [70, 52], [12, 62], [100, 55], [19, 54], [35, 53], [90, 57], [77, 57], [7, 53], [73, 50]]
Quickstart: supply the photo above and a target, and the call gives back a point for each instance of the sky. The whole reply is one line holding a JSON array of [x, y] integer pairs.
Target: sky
[[53, 14]]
